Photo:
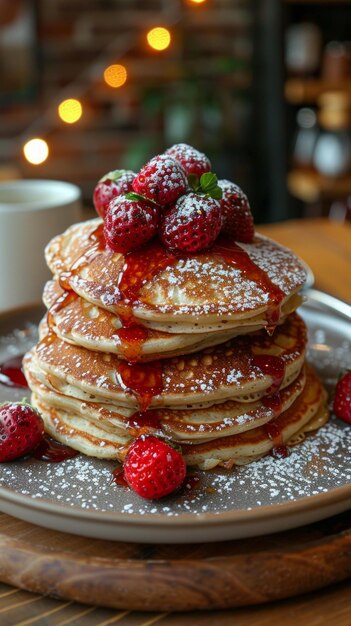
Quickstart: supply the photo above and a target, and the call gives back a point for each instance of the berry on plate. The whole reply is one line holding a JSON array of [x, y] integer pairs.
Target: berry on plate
[[21, 430], [342, 399], [161, 180], [109, 186], [192, 224], [129, 223], [153, 468], [193, 161], [237, 218]]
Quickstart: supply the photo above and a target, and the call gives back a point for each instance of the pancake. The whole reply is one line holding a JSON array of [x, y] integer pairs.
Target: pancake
[[100, 438], [191, 425], [221, 287], [244, 368], [84, 324], [253, 444]]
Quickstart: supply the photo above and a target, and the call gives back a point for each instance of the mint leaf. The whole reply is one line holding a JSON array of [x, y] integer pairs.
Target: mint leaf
[[194, 182], [216, 193], [114, 175], [208, 181], [131, 195], [134, 196]]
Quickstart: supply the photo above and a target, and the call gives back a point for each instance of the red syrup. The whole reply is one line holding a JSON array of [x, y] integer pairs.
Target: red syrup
[[236, 256], [144, 380], [280, 452], [11, 373], [274, 433], [52, 451], [273, 402], [118, 478], [272, 366], [145, 420], [191, 482]]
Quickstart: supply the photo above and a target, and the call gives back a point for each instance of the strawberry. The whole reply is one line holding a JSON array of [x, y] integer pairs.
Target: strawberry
[[192, 224], [193, 161], [342, 400], [129, 223], [153, 468], [237, 217], [21, 430], [109, 186], [161, 180]]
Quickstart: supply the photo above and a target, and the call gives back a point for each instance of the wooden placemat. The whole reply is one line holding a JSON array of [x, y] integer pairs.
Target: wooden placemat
[[174, 577]]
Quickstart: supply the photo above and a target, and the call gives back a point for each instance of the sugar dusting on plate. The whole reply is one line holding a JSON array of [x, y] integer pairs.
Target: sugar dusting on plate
[[318, 465]]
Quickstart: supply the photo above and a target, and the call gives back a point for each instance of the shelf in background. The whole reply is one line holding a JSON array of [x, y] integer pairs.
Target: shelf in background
[[308, 90], [309, 186]]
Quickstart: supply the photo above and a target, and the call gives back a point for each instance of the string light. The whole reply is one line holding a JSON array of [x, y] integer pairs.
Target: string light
[[115, 75], [36, 151], [70, 111], [159, 38]]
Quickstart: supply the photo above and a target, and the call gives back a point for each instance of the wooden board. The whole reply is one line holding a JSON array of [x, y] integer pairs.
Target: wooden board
[[175, 578]]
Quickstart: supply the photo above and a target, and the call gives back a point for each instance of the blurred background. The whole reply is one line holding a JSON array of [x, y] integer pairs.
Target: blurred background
[[263, 87]]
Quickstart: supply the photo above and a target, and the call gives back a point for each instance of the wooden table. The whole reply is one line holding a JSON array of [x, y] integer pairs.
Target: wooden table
[[326, 247]]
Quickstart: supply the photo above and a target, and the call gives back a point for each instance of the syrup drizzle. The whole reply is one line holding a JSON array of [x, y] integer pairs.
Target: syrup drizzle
[[144, 380], [52, 451], [140, 266], [11, 372], [118, 478], [144, 420], [272, 366], [236, 256]]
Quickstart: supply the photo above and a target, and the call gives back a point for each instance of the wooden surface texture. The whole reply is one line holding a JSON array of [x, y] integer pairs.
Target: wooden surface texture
[[214, 575]]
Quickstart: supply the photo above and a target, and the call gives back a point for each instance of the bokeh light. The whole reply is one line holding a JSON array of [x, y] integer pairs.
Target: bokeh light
[[70, 111], [115, 75], [197, 1], [159, 38], [36, 151]]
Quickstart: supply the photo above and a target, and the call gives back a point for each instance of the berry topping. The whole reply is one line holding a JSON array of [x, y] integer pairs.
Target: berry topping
[[161, 180], [342, 400], [193, 161], [153, 468], [237, 217], [129, 224], [21, 430], [192, 224], [109, 186]]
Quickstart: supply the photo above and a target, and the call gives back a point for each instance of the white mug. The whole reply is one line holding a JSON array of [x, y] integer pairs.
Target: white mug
[[31, 213]]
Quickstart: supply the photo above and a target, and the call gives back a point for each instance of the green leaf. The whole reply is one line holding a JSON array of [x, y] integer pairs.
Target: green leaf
[[114, 175], [208, 181], [216, 193], [194, 182], [131, 195]]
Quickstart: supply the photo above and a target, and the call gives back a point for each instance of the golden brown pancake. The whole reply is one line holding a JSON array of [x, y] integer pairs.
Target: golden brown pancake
[[243, 368], [101, 437], [228, 283]]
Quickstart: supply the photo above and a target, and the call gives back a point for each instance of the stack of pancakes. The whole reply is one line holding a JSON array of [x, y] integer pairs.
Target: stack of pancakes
[[204, 350]]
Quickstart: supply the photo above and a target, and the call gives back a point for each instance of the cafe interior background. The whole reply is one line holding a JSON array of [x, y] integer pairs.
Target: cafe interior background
[[263, 87]]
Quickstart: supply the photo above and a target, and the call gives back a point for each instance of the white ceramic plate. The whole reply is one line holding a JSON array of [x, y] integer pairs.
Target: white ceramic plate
[[76, 496]]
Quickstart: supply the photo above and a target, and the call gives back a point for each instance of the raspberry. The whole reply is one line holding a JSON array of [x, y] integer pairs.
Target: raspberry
[[152, 468], [236, 213], [129, 224], [192, 224], [193, 161], [161, 180], [21, 430], [109, 186], [342, 400]]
